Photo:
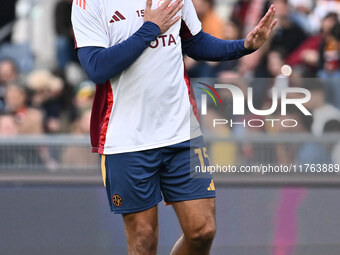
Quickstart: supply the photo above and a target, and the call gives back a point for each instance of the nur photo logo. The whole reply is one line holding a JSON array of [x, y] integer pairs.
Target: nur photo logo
[[211, 92], [243, 104]]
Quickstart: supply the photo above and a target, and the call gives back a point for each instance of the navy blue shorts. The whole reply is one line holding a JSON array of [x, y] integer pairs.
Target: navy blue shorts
[[137, 181]]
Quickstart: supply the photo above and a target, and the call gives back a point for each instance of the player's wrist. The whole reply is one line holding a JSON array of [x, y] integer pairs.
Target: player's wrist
[[153, 27], [247, 48]]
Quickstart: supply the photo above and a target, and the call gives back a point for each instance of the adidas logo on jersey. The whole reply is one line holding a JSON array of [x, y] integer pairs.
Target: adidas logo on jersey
[[117, 17]]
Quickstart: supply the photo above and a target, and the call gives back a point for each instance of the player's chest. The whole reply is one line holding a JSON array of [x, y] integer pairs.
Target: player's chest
[[124, 17]]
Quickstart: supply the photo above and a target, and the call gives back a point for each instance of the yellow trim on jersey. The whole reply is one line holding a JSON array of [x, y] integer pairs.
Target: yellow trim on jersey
[[103, 169]]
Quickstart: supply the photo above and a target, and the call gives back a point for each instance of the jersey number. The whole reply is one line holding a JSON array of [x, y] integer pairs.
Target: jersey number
[[140, 13]]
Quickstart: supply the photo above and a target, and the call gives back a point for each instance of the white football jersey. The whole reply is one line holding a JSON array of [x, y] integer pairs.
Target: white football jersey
[[150, 104]]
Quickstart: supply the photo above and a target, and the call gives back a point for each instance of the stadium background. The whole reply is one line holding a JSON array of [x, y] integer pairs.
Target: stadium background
[[51, 197]]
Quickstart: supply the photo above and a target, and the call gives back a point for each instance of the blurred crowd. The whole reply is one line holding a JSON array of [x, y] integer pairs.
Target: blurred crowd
[[52, 95], [38, 99]]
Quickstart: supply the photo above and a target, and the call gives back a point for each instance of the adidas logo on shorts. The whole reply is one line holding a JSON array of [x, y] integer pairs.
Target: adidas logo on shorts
[[211, 186]]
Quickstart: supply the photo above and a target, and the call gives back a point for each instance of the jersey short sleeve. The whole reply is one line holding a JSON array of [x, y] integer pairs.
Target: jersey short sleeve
[[191, 25], [88, 26]]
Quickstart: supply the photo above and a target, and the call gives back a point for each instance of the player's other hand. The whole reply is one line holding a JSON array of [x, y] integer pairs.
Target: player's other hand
[[164, 15], [260, 34]]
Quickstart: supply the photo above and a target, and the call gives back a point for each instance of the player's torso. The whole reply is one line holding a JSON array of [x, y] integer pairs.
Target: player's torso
[[161, 62], [151, 103]]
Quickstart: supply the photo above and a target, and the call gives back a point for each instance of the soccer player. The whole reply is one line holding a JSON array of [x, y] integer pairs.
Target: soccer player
[[143, 118]]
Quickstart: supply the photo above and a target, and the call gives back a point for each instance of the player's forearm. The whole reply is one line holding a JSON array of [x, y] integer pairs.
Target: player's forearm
[[208, 48], [101, 64]]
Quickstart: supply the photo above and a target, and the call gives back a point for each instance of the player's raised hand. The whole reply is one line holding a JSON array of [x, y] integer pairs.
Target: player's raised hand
[[260, 34], [164, 15]]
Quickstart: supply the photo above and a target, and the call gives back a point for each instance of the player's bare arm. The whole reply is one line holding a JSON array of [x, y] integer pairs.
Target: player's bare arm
[[260, 34], [163, 16]]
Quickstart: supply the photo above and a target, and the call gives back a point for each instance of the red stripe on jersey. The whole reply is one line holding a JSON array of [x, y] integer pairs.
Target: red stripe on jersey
[[185, 32], [81, 3], [191, 94], [115, 18], [120, 15], [101, 112]]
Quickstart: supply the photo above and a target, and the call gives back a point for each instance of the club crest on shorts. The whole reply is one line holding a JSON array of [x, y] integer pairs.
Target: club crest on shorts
[[117, 200]]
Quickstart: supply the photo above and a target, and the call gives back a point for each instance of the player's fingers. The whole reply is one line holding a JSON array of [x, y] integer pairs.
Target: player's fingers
[[254, 33], [270, 20], [176, 8], [174, 20], [165, 4], [273, 24], [174, 5], [148, 5], [266, 17], [264, 20], [270, 29]]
